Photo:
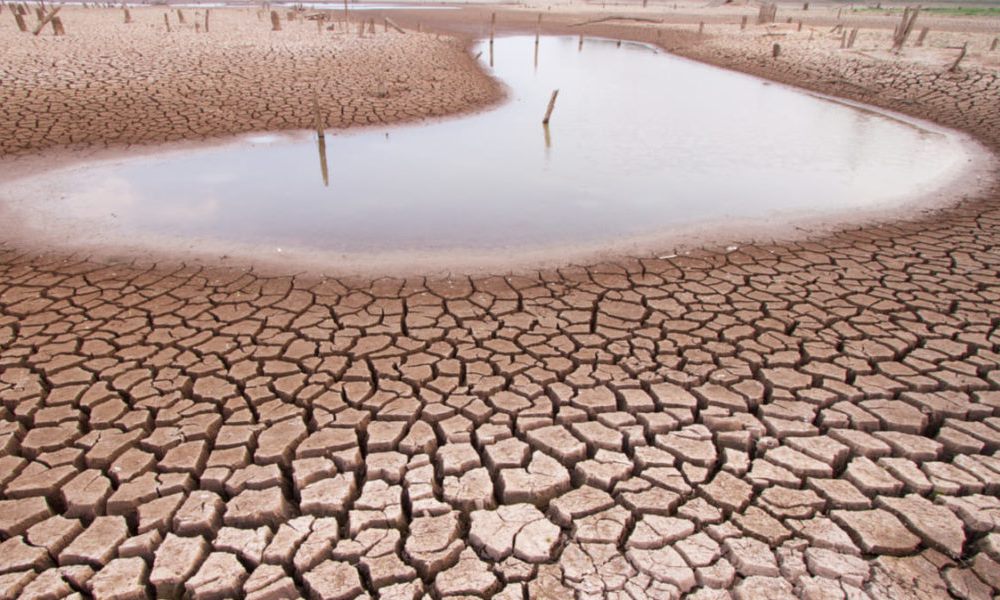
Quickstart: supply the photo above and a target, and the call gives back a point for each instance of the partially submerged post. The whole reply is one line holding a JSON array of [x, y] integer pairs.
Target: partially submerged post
[[961, 55], [275, 21], [493, 26], [321, 140], [552, 105], [538, 30], [580, 47]]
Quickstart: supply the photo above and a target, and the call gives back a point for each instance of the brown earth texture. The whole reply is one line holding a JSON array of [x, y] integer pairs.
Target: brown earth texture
[[817, 419]]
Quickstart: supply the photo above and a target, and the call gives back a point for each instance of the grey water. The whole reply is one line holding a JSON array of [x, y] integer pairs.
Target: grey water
[[640, 142]]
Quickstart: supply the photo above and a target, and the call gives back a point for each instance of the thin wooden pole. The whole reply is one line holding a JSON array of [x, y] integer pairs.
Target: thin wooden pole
[[961, 55], [207, 12], [275, 21], [552, 105]]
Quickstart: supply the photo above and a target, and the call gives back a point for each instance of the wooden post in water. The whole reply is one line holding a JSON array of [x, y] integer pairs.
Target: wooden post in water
[[961, 55], [552, 105], [275, 21], [321, 140], [493, 26], [538, 30], [775, 50], [580, 47]]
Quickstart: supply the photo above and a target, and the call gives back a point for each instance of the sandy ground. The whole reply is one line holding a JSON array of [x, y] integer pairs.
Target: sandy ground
[[818, 419]]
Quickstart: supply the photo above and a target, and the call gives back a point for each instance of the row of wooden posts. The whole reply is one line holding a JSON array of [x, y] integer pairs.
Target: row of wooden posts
[[42, 14]]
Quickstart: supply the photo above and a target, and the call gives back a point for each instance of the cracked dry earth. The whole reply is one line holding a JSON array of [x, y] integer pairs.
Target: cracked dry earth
[[814, 420]]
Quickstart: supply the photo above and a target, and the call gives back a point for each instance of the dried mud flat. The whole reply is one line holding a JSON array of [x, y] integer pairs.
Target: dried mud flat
[[818, 419]]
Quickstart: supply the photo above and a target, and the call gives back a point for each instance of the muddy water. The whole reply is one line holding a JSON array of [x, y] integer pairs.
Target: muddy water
[[640, 143]]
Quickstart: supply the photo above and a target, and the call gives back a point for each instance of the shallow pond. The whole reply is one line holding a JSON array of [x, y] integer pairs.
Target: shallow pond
[[641, 144]]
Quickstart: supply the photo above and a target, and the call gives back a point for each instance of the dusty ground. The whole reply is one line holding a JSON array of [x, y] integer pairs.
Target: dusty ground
[[819, 419]]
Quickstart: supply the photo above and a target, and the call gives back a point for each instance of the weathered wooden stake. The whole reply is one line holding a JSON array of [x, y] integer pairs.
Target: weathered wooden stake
[[128, 16], [166, 21], [207, 11], [800, 26], [552, 105], [961, 55], [993, 44], [45, 21], [701, 28], [180, 16], [743, 23], [371, 26], [275, 21], [775, 50], [493, 26], [580, 47], [392, 24], [852, 37], [805, 6], [905, 27], [57, 26], [923, 35], [19, 18], [538, 30]]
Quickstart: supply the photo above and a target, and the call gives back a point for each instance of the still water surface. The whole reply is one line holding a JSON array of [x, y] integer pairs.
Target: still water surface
[[640, 142]]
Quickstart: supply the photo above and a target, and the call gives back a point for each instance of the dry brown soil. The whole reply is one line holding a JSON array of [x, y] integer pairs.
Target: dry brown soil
[[817, 420]]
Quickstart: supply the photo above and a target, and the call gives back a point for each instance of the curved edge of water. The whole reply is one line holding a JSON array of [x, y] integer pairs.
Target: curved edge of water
[[966, 182]]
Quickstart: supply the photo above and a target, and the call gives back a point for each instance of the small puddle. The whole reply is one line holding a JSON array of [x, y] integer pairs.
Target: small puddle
[[641, 144]]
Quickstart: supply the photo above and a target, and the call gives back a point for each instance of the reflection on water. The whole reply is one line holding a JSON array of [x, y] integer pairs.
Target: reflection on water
[[640, 142]]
